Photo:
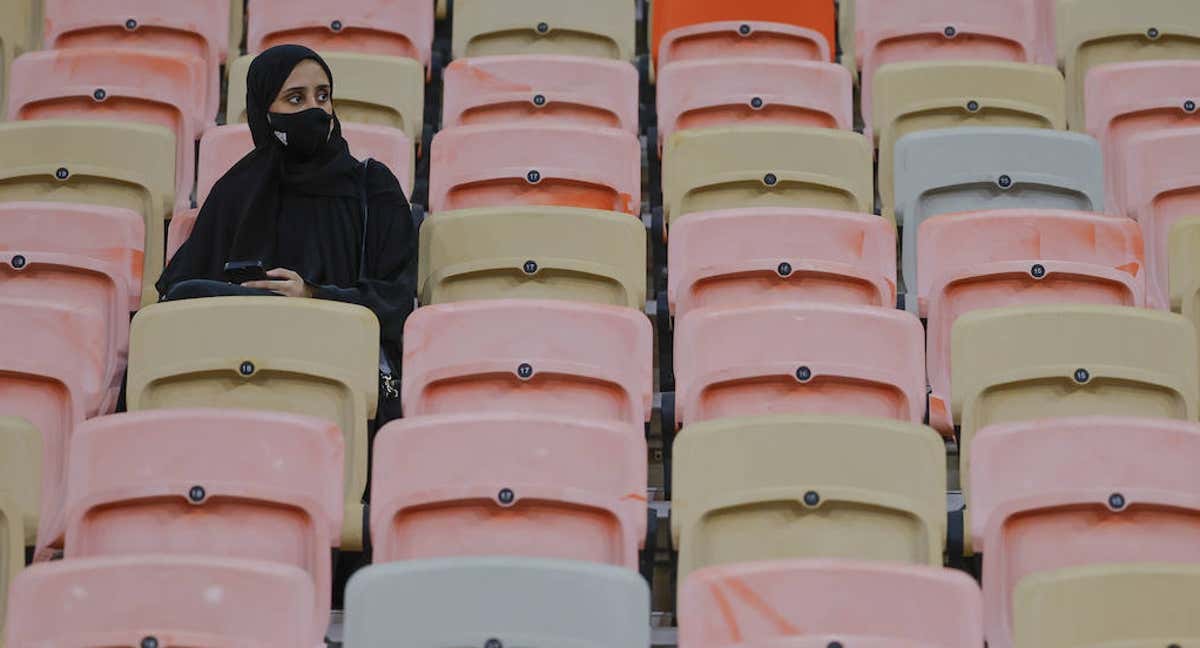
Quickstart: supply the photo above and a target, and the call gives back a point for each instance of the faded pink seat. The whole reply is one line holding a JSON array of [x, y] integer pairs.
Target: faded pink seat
[[1047, 49], [590, 362], [747, 257], [501, 166], [814, 603], [198, 28], [700, 94], [1019, 257], [1056, 493], [509, 484], [799, 359], [729, 39], [1123, 100], [233, 484], [541, 90], [176, 600], [386, 27], [898, 31]]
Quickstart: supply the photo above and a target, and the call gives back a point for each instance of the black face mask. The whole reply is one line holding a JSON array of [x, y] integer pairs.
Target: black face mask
[[303, 133]]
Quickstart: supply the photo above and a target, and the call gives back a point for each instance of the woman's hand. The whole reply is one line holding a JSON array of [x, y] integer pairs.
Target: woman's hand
[[283, 282]]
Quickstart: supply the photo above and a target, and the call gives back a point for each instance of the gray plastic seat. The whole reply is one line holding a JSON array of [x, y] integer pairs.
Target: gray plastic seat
[[972, 169], [511, 602]]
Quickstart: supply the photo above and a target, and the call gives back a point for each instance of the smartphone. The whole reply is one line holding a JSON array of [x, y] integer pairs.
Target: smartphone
[[239, 272]]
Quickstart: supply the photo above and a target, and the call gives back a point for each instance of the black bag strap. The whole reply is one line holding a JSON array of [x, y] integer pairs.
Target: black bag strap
[[364, 203]]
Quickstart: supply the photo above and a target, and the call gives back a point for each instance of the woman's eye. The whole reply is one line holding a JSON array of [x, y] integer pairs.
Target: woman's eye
[[295, 100], [323, 97]]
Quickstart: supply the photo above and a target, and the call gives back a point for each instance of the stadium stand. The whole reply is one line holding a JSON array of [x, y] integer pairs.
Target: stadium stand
[[596, 28], [381, 27]]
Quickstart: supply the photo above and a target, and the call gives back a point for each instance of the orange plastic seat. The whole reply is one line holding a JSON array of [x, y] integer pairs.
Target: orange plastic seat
[[590, 362], [733, 258], [1057, 493], [511, 485], [799, 359], [541, 90], [699, 94], [705, 29], [387, 27], [156, 600], [821, 603], [198, 28], [502, 166]]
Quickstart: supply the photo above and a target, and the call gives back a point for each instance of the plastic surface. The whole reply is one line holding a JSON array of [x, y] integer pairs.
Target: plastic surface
[[782, 29], [1185, 269], [402, 28], [595, 28]]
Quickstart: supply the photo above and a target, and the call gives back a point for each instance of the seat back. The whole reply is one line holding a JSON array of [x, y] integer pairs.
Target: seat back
[[594, 28], [384, 27], [1091, 34], [309, 357], [799, 358], [589, 361], [533, 252], [1037, 507], [511, 166], [766, 166], [512, 601], [912, 97], [780, 255], [842, 602], [704, 29], [20, 479], [1185, 269], [753, 488], [168, 600], [541, 90]]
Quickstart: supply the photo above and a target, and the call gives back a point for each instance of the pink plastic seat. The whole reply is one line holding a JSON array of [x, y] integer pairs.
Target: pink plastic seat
[[799, 359], [747, 257], [1017, 257], [198, 28], [174, 600], [150, 87], [501, 166], [819, 602], [1057, 493], [541, 90], [732, 39], [387, 27], [1123, 100], [700, 94], [586, 361], [509, 484]]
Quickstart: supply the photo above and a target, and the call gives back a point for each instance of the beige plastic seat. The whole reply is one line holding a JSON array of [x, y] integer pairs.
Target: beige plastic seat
[[847, 10], [1095, 32], [1185, 269], [764, 166], [1136, 605], [780, 487], [367, 89], [597, 28], [100, 163], [17, 29], [912, 97], [20, 474], [308, 356], [533, 252]]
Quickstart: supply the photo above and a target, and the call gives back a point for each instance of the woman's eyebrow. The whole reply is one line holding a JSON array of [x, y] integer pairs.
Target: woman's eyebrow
[[296, 89]]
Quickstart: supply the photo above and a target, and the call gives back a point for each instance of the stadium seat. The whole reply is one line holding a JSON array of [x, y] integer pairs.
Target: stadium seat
[[912, 97], [766, 166], [783, 487], [829, 603], [775, 92], [533, 252], [1185, 269], [20, 481], [17, 29], [12, 548], [1013, 257], [747, 257], [1162, 187], [1074, 607], [1095, 32], [542, 91], [358, 95], [237, 30], [596, 28], [199, 28], [846, 36], [161, 600], [310, 357], [512, 166], [589, 361], [130, 166], [401, 28], [754, 360], [1053, 494], [505, 601], [973, 169], [509, 484]]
